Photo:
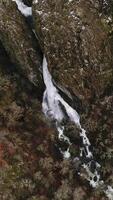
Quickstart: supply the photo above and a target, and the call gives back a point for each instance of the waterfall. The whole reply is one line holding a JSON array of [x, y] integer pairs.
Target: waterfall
[[25, 10], [52, 109]]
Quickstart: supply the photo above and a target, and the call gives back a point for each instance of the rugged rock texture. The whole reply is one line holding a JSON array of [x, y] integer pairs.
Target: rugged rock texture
[[31, 166], [98, 123], [75, 36], [19, 42]]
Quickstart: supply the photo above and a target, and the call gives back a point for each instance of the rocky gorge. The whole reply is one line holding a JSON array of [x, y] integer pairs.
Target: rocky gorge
[[76, 37]]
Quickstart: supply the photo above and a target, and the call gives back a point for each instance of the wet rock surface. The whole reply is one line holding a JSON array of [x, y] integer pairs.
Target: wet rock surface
[[28, 2]]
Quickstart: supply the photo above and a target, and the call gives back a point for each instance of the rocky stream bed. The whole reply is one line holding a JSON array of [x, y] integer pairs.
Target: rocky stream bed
[[76, 37]]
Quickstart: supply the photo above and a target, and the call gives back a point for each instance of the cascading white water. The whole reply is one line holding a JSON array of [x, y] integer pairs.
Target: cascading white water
[[52, 110], [25, 10]]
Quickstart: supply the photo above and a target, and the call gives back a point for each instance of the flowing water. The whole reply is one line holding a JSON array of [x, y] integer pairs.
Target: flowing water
[[25, 10], [52, 109]]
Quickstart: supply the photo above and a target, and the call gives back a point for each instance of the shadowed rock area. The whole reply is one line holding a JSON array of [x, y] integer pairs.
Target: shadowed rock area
[[28, 2], [19, 42], [77, 38]]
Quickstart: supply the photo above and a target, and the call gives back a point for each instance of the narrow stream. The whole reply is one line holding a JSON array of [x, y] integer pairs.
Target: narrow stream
[[53, 111]]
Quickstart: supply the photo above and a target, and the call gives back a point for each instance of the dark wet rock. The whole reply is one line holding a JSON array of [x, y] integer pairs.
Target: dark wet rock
[[28, 2], [75, 39], [19, 43], [70, 98], [72, 132]]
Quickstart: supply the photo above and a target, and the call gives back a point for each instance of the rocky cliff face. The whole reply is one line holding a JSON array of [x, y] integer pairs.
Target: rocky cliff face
[[31, 166], [76, 37], [19, 42]]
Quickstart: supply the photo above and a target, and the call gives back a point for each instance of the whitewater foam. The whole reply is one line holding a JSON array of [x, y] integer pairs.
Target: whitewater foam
[[52, 110]]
